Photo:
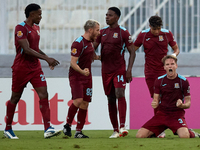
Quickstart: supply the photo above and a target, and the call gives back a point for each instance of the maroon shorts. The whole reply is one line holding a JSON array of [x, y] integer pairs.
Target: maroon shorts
[[150, 79], [21, 78], [112, 81], [81, 89], [161, 121]]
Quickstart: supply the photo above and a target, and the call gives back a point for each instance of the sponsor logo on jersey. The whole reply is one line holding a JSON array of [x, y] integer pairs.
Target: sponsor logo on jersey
[[176, 85], [104, 35], [161, 38], [115, 35], [148, 39], [74, 51], [38, 32], [19, 34]]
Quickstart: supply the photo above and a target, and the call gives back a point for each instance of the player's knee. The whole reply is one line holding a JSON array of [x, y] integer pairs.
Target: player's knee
[[111, 99], [140, 135], [15, 97], [42, 95], [184, 135], [78, 102], [119, 92], [84, 105]]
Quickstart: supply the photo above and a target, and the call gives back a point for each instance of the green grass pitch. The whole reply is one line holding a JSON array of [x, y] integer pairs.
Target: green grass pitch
[[99, 140]]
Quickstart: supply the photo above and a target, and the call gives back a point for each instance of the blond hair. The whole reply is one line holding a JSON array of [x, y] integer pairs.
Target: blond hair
[[90, 24]]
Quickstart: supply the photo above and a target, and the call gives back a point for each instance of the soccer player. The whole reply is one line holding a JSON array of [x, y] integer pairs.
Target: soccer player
[[27, 68], [155, 41], [80, 77], [172, 94], [113, 40]]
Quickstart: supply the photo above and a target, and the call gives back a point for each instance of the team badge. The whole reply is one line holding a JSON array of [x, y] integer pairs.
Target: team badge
[[19, 34], [38, 32], [74, 51], [115, 35], [176, 85], [161, 38]]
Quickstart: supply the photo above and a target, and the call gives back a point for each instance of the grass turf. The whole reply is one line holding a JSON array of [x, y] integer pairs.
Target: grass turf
[[33, 140]]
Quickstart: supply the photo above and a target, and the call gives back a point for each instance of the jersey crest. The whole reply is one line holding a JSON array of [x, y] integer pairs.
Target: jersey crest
[[115, 35], [161, 38], [19, 34], [176, 86], [74, 51]]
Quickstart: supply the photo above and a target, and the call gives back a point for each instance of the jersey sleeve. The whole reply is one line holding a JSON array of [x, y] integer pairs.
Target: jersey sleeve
[[127, 38], [20, 32], [171, 39], [157, 86], [139, 40], [76, 49], [186, 88]]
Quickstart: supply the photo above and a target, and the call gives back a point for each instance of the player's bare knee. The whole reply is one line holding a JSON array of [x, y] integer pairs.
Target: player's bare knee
[[14, 100], [78, 102], [111, 99], [42, 95], [184, 135], [119, 92], [84, 105], [140, 135]]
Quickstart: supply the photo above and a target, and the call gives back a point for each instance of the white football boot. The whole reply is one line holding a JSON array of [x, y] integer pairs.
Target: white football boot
[[50, 132], [114, 135], [162, 135], [10, 134], [123, 132]]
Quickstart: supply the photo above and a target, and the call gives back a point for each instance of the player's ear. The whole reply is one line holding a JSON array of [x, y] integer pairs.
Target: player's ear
[[90, 30], [31, 14]]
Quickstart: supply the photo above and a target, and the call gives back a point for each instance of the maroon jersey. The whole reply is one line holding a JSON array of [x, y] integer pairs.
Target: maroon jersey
[[84, 50], [32, 34], [155, 48], [113, 43], [171, 90]]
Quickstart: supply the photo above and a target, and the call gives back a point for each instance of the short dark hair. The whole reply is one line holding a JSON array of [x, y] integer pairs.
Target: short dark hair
[[31, 7], [155, 21], [167, 57], [116, 10]]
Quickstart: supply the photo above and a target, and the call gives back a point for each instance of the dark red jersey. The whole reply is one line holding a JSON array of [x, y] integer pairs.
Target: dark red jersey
[[155, 48], [113, 43], [84, 50], [32, 34], [170, 91]]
